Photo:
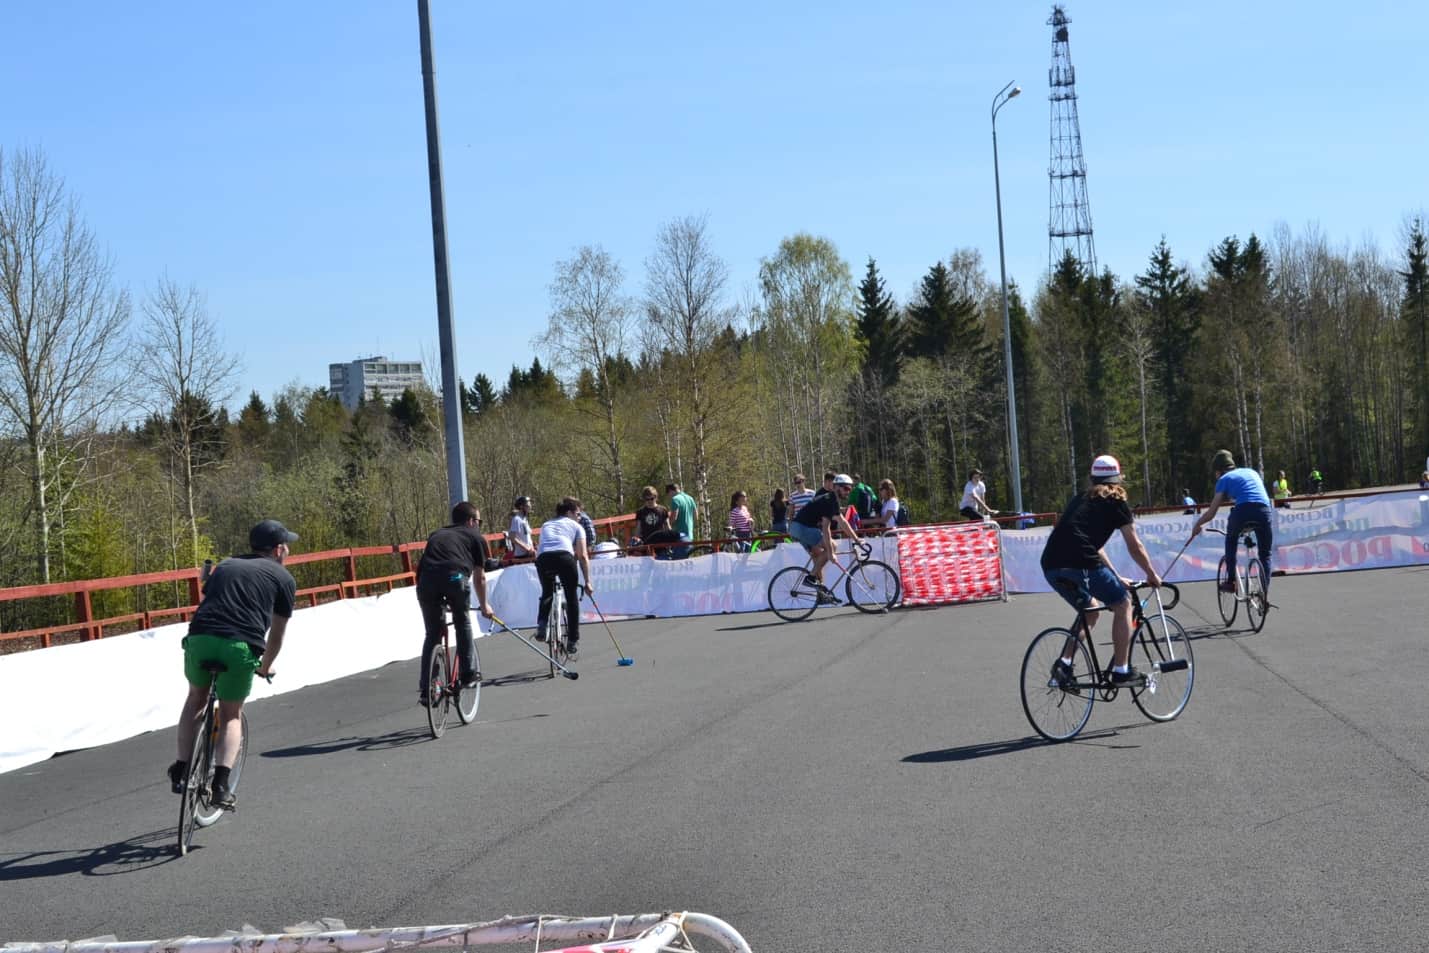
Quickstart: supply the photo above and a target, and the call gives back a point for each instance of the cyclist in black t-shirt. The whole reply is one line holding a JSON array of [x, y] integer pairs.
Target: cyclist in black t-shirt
[[453, 562], [1075, 562], [813, 526]]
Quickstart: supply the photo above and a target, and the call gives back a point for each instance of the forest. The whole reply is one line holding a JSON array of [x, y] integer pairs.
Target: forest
[[126, 444]]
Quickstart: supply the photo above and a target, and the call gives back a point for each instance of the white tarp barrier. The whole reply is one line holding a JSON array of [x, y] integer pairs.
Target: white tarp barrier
[[1370, 532], [342, 638]]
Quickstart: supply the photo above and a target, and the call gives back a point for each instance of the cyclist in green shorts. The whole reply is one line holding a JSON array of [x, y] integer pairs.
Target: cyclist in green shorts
[[245, 599]]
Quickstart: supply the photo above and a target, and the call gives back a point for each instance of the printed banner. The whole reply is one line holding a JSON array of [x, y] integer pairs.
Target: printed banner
[[1327, 535]]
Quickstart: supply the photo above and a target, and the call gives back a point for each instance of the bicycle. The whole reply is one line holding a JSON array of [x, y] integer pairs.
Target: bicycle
[[195, 808], [1249, 580], [1058, 705], [444, 688], [557, 648], [869, 586]]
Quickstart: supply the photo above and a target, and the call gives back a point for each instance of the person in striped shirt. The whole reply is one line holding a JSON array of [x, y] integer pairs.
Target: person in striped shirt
[[741, 523], [801, 495]]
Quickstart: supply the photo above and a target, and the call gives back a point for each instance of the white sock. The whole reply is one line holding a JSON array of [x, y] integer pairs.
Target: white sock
[[1067, 662], [1121, 669]]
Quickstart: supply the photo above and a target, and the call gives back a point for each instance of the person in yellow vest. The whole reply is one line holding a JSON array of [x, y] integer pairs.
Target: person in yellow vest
[[1280, 489]]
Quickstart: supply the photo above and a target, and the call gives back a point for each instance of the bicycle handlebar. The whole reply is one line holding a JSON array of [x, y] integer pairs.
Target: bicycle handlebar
[[1165, 603]]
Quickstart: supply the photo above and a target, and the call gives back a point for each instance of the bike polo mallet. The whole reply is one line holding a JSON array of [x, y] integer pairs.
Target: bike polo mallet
[[545, 655], [624, 659]]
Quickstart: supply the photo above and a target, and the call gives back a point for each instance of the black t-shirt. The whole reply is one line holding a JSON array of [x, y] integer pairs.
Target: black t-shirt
[[651, 519], [1082, 530], [450, 550], [779, 510], [824, 505], [242, 596]]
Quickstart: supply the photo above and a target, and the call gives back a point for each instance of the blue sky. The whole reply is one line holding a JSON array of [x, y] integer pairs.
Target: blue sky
[[273, 154]]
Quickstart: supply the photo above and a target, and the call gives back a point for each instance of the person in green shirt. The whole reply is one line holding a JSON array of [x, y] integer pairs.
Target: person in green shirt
[[682, 517]]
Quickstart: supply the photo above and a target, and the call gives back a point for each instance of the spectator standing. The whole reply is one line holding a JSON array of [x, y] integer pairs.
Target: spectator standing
[[779, 512], [588, 526], [864, 499], [974, 503], [518, 536], [740, 519], [1281, 490], [887, 517], [1188, 501], [682, 515], [801, 495], [652, 521]]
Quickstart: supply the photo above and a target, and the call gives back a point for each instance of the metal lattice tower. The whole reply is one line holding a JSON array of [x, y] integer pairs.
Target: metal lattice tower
[[1069, 217]]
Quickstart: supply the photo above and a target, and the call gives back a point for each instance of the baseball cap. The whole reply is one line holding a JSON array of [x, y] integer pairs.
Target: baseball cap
[[269, 534], [521, 501], [843, 479], [1106, 469]]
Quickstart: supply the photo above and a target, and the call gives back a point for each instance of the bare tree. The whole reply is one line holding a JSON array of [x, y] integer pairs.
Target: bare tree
[[186, 377], [684, 287], [589, 331], [61, 327]]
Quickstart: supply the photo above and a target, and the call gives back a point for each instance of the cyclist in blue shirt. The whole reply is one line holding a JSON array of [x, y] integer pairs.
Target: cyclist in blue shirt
[[1243, 488]]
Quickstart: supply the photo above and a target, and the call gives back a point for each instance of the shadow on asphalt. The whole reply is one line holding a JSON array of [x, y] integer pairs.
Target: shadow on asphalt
[[750, 628], [520, 678], [393, 739], [990, 748], [121, 857]]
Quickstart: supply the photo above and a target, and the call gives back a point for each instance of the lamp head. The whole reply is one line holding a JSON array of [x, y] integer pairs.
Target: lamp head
[[1016, 91]]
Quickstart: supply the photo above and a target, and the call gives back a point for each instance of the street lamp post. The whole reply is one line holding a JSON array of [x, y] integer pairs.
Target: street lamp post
[[998, 101]]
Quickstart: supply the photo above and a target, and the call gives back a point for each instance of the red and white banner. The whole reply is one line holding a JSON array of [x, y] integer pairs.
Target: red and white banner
[[949, 563], [1323, 535]]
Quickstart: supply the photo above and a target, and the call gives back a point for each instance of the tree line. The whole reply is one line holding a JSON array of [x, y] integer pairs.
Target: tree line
[[120, 453]]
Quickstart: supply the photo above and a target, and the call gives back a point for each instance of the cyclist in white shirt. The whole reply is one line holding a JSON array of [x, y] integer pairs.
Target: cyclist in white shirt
[[561, 547]]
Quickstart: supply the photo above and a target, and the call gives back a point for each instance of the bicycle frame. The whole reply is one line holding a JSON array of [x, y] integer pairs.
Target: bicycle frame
[[1082, 629]]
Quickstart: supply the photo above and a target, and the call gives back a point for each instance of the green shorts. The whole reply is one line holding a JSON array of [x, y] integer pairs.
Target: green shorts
[[241, 659]]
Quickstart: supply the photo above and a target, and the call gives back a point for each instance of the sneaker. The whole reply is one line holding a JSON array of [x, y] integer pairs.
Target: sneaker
[[1062, 673], [827, 598], [1228, 586], [178, 773], [1122, 679], [540, 635], [812, 580], [571, 649], [223, 796], [424, 701]]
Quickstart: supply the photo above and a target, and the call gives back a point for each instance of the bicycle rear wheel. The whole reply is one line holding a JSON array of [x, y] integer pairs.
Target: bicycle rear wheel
[[1057, 710], [556, 627], [790, 597], [195, 797], [208, 814], [469, 699], [438, 691], [1255, 606], [1160, 651], [1226, 601], [872, 586]]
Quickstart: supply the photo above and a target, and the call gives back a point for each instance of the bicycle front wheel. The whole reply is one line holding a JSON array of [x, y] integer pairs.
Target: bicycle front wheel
[[469, 699], [207, 814], [872, 586], [195, 798], [1057, 708], [791, 598], [1163, 653], [1226, 601], [1255, 594], [438, 692]]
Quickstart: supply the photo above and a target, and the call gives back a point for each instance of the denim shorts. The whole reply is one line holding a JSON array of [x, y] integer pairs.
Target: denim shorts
[[1101, 584], [808, 536]]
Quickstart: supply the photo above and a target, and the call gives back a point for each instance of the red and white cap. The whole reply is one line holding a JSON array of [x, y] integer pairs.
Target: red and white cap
[[1106, 469]]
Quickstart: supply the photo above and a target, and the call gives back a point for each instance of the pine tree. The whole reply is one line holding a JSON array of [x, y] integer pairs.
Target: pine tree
[[1415, 316], [1166, 290], [941, 323], [879, 327]]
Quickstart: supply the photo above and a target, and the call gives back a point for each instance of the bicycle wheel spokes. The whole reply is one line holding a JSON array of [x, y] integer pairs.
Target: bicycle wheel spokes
[[469, 699], [208, 814], [872, 586], [790, 597], [1226, 601], [1162, 651], [437, 691], [195, 797], [1255, 594], [1057, 710]]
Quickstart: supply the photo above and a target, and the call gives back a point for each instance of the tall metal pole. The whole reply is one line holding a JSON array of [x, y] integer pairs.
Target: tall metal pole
[[1006, 322], [446, 325]]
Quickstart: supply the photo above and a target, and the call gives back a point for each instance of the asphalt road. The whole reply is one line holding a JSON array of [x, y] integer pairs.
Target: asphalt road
[[853, 782]]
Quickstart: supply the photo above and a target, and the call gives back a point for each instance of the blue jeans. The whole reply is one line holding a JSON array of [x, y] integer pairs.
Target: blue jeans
[[1080, 586], [1264, 520]]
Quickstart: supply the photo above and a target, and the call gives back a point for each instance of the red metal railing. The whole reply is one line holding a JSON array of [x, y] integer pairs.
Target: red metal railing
[[86, 626]]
